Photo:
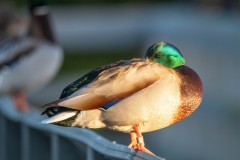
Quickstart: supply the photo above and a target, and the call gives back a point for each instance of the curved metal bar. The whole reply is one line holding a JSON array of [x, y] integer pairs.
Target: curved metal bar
[[86, 136]]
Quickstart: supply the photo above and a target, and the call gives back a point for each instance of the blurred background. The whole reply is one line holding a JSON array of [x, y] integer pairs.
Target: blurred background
[[95, 33]]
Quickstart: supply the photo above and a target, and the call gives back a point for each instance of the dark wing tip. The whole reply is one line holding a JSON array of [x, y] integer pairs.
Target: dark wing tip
[[44, 112]]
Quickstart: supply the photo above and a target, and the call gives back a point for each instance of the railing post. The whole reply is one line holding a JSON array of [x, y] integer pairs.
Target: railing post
[[54, 146], [24, 142], [90, 153], [85, 137], [2, 137]]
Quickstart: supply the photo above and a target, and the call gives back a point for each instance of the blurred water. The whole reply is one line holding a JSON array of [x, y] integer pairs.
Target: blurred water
[[208, 39]]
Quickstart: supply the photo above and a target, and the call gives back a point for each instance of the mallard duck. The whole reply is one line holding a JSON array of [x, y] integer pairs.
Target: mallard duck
[[30, 61], [131, 96]]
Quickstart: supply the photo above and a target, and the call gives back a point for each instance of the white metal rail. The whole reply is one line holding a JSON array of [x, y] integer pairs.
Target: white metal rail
[[23, 138]]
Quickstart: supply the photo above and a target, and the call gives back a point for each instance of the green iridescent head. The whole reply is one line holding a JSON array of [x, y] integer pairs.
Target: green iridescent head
[[166, 54]]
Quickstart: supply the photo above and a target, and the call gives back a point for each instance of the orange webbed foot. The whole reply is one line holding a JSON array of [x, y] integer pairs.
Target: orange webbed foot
[[137, 141]]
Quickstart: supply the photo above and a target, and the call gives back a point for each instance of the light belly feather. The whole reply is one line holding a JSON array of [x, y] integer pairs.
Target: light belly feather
[[152, 108]]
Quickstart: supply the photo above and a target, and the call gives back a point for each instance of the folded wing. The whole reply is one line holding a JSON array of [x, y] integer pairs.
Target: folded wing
[[112, 84]]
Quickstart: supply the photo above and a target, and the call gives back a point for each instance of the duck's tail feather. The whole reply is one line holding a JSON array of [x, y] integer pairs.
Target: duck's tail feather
[[57, 113], [60, 117], [53, 110]]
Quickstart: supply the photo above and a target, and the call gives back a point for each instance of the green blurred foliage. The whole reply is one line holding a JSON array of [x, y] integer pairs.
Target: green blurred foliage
[[76, 62]]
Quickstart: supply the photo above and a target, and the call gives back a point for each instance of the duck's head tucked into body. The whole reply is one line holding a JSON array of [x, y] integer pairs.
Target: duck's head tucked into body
[[132, 96], [165, 54]]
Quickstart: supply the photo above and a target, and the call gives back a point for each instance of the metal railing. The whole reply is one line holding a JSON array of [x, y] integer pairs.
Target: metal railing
[[23, 138]]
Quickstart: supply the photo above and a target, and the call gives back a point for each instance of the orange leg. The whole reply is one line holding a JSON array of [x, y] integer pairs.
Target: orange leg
[[133, 140], [137, 141], [20, 101]]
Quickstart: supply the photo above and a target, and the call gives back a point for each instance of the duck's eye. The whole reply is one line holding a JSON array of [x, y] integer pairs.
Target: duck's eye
[[158, 55]]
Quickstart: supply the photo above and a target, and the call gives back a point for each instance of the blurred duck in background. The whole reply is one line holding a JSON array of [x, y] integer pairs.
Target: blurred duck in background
[[29, 54], [13, 23]]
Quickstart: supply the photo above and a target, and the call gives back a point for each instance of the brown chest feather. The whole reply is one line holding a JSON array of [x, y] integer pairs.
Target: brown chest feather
[[191, 90]]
